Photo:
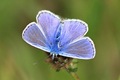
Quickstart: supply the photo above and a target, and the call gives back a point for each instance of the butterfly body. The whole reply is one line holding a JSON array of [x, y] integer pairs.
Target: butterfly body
[[54, 48]]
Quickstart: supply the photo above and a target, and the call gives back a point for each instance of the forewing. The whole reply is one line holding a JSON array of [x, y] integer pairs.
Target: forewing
[[33, 35], [81, 49], [49, 23], [71, 30]]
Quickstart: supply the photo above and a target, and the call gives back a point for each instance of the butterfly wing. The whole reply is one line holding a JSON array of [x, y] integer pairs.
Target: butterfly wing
[[72, 41], [49, 23], [71, 30], [80, 49], [41, 34], [33, 35]]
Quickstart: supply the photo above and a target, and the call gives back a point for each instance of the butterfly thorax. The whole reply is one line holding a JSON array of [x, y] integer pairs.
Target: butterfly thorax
[[55, 48]]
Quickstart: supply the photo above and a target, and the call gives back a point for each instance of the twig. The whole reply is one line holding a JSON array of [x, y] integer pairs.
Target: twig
[[74, 75]]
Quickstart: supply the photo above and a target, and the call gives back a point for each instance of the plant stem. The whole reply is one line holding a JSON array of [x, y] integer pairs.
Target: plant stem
[[74, 75]]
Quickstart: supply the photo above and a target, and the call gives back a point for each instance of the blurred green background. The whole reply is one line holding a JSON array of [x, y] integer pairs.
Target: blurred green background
[[20, 61]]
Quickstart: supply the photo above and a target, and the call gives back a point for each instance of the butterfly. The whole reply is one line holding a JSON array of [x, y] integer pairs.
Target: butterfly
[[59, 37]]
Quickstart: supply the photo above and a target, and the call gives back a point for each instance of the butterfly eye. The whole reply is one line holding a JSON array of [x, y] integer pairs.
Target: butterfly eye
[[51, 43], [57, 36]]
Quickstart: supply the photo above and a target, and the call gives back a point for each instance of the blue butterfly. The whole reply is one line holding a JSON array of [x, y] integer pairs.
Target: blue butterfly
[[59, 37]]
